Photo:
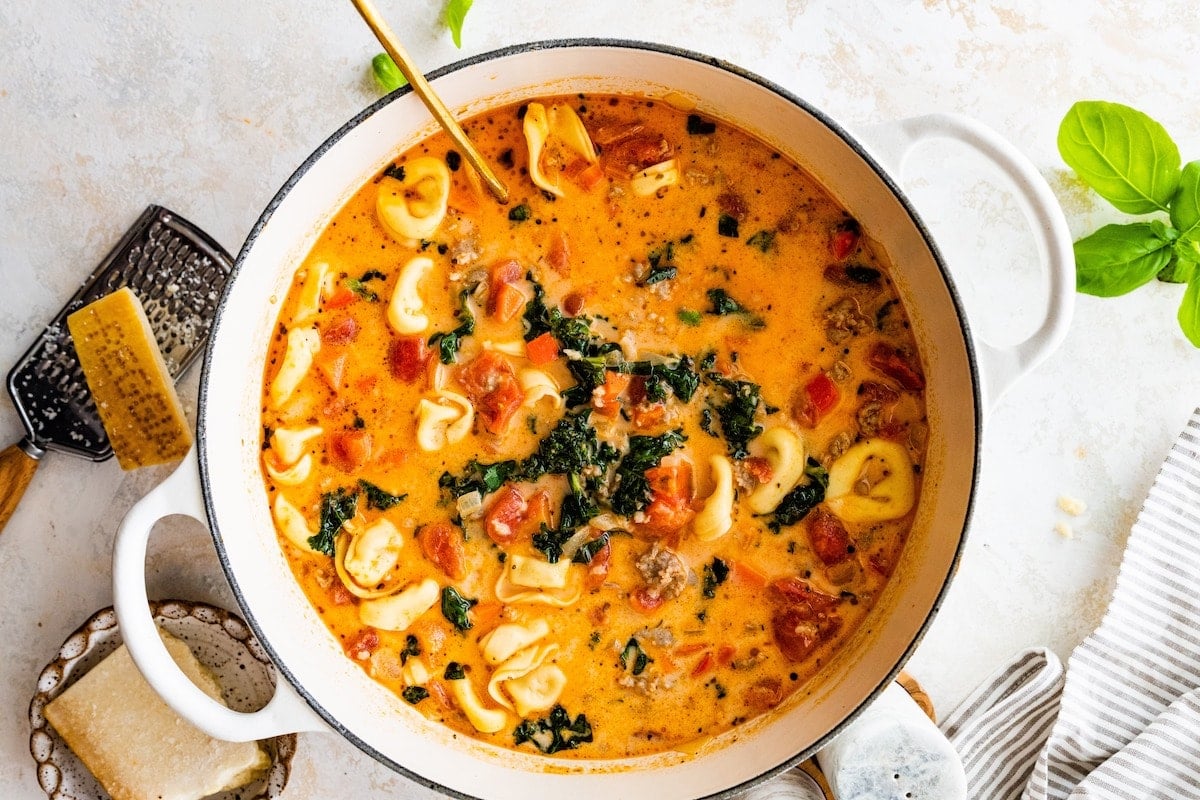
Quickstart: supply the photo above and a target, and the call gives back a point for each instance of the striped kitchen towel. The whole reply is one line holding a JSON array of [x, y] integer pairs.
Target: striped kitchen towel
[[1125, 721]]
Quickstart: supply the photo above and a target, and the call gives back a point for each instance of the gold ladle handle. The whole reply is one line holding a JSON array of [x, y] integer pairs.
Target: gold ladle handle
[[423, 90]]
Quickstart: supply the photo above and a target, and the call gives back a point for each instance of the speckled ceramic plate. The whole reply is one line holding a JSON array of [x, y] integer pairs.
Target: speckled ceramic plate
[[221, 642]]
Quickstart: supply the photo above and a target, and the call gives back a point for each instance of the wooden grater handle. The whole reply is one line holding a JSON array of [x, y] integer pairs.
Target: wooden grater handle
[[17, 466]]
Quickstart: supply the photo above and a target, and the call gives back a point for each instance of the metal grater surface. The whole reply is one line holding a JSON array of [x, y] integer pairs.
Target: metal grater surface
[[179, 274]]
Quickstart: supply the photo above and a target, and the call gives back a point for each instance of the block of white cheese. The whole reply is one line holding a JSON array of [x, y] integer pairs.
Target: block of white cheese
[[136, 746]]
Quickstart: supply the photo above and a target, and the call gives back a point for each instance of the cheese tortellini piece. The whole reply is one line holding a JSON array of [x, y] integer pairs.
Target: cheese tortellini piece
[[872, 482], [716, 518], [443, 420], [406, 311], [531, 684], [399, 611], [288, 443], [510, 347], [302, 345], [505, 640], [785, 453], [413, 208], [531, 580], [294, 475], [373, 553], [290, 520], [309, 304], [485, 720], [414, 672], [539, 386], [658, 176], [556, 132]]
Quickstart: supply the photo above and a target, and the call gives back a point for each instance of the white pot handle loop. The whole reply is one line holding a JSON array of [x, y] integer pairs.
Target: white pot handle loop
[[180, 494], [1000, 366]]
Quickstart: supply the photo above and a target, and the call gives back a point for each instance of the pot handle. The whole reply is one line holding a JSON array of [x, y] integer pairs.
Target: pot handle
[[1000, 367], [181, 494]]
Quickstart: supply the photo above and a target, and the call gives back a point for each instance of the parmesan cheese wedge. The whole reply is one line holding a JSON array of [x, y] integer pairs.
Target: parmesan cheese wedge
[[139, 748], [133, 390]]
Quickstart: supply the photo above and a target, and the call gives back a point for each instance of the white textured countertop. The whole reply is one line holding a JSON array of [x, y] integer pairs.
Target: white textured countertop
[[207, 107]]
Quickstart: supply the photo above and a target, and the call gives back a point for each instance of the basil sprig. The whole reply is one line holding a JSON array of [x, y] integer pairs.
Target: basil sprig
[[1132, 162]]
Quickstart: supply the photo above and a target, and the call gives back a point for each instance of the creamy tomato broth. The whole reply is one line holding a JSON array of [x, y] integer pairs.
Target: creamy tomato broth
[[611, 469]]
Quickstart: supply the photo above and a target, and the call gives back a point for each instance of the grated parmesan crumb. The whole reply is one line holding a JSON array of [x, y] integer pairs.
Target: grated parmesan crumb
[[1071, 505], [1064, 530]]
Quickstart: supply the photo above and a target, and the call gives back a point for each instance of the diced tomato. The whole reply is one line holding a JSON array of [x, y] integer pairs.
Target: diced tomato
[[504, 300], [845, 239], [670, 506], [795, 591], [873, 391], [543, 349], [442, 544], [606, 401], [703, 665], [506, 271], [690, 649], [573, 303], [597, 568], [340, 298], [503, 519], [350, 450], [342, 330], [758, 468], [590, 177], [803, 618], [408, 357], [492, 386], [725, 655], [339, 595], [828, 537], [744, 573], [635, 153], [645, 601], [763, 694], [894, 364], [558, 256], [817, 398], [437, 690], [648, 415], [363, 644]]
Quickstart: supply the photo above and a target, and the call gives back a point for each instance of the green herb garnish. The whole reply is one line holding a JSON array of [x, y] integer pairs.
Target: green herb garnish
[[736, 414], [454, 672], [377, 498], [456, 14], [520, 213], [455, 608], [588, 550], [412, 648], [1131, 161], [688, 317], [555, 732], [633, 490], [414, 694], [387, 74], [763, 240], [804, 498], [337, 507], [634, 655], [714, 575], [449, 342]]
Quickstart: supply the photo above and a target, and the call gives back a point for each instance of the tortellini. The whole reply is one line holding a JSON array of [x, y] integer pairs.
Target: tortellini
[[302, 345], [485, 720], [399, 611], [529, 580], [716, 518], [413, 208], [445, 419], [550, 131], [406, 311], [290, 520], [785, 453], [510, 347], [294, 475], [414, 672], [539, 386], [502, 642], [373, 553], [535, 694], [872, 482], [288, 443], [309, 303], [652, 178]]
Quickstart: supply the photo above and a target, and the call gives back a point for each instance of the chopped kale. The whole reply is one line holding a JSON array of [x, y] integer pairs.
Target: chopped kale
[[633, 490], [714, 575], [572, 333], [736, 414], [727, 226], [453, 160], [337, 507], [764, 240], [588, 550], [569, 448], [455, 608], [723, 304], [861, 274], [359, 285], [449, 342], [699, 126], [706, 423], [681, 377], [594, 640], [555, 732], [688, 317], [378, 499], [634, 655], [520, 213], [394, 171], [660, 274], [804, 498], [478, 477], [550, 541], [454, 672], [414, 694], [412, 648]]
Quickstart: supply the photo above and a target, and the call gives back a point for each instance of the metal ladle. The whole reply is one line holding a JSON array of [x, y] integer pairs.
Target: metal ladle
[[423, 90]]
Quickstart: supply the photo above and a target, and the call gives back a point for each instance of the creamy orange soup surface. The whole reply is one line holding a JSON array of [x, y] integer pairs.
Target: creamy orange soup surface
[[609, 470]]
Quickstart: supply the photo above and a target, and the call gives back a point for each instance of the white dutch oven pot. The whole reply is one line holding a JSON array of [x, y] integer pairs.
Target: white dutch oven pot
[[220, 482]]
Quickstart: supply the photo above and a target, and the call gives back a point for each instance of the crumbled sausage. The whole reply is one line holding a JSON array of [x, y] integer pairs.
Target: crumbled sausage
[[844, 319], [869, 418], [663, 571], [733, 204], [839, 445], [839, 372]]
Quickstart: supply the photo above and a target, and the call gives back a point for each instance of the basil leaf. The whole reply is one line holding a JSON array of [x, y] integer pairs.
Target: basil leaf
[[1189, 311], [1128, 158], [1185, 205], [456, 14], [387, 74], [1177, 270], [1119, 258]]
